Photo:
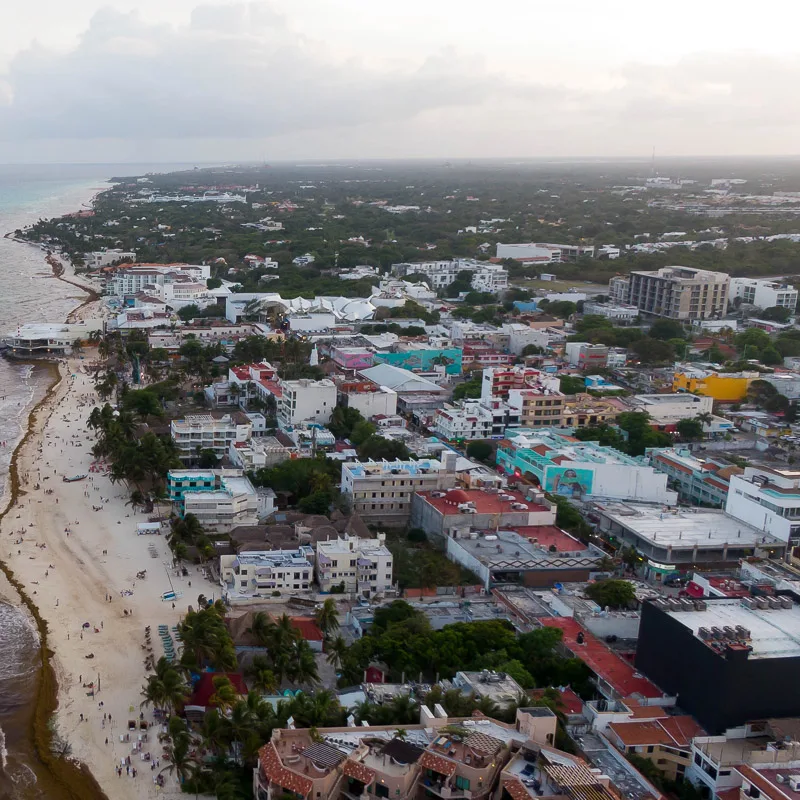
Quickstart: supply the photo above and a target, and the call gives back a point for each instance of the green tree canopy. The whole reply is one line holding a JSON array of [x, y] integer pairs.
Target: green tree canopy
[[612, 593]]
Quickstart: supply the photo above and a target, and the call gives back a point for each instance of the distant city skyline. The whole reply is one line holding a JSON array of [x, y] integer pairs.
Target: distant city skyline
[[121, 81]]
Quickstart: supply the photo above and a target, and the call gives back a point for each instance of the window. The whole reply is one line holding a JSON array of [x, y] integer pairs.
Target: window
[[650, 748], [462, 783]]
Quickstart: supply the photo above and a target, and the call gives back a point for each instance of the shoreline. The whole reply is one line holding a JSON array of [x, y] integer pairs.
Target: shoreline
[[70, 777]]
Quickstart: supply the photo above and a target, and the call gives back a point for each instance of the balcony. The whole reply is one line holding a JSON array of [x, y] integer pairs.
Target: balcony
[[445, 791]]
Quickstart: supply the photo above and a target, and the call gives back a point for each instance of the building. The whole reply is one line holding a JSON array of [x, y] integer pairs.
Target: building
[[764, 293], [220, 498], [768, 499], [585, 355], [424, 358], [215, 432], [678, 538], [728, 387], [666, 410], [305, 400], [466, 422], [498, 382], [105, 258], [738, 657], [258, 453], [485, 276], [534, 397], [361, 566], [680, 293], [431, 759], [544, 253], [381, 491], [368, 397], [413, 391], [621, 314], [133, 278], [571, 468], [441, 514], [698, 481], [581, 410], [666, 741], [498, 687], [48, 340], [255, 574], [787, 384]]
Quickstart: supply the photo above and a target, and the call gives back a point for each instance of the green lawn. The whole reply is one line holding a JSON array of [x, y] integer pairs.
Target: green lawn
[[418, 566]]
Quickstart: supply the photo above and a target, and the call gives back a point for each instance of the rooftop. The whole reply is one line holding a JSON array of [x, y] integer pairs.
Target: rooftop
[[683, 528], [605, 663], [484, 502], [773, 632]]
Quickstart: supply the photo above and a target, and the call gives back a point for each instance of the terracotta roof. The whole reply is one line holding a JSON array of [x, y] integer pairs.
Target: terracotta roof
[[438, 764], [355, 769], [515, 790], [204, 688], [638, 733], [272, 766], [682, 729]]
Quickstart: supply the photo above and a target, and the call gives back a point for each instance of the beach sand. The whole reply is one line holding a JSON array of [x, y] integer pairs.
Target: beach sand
[[72, 559]]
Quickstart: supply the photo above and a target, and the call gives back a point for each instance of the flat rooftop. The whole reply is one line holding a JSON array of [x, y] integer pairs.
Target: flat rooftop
[[605, 663], [683, 528], [273, 558], [484, 502], [774, 632]]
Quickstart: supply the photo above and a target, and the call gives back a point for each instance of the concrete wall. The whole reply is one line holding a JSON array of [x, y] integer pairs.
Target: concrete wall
[[623, 626], [455, 552]]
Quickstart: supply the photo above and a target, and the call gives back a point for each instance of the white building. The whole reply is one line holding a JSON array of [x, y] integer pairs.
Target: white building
[[486, 277], [364, 566], [469, 421], [764, 293], [221, 499], [105, 258], [306, 400], [258, 453], [544, 252], [668, 409], [381, 491], [368, 397], [48, 339], [768, 499], [215, 432], [261, 573], [619, 313], [136, 277]]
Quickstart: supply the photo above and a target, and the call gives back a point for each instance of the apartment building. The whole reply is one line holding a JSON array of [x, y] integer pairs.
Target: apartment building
[[486, 277], [764, 293], [768, 499], [215, 432], [445, 757], [221, 499], [254, 574], [105, 258], [499, 381], [621, 314], [134, 278], [582, 409], [306, 400], [361, 566], [698, 481], [368, 397], [679, 293], [258, 453], [380, 491]]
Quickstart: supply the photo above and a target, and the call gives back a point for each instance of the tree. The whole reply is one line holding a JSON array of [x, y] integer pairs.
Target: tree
[[213, 283], [377, 448], [480, 450], [770, 356], [612, 593], [327, 617], [666, 329], [362, 430], [751, 339], [652, 351], [775, 314], [759, 391], [337, 650], [207, 459], [315, 503], [469, 389], [690, 430], [188, 313], [572, 384]]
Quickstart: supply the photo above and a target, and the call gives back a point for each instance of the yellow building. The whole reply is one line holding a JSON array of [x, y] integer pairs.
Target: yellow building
[[726, 388]]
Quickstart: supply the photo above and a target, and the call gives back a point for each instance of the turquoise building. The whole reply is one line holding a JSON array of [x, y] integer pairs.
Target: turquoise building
[[425, 359]]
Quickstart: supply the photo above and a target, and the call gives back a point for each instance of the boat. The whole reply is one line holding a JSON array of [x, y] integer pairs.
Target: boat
[[73, 478]]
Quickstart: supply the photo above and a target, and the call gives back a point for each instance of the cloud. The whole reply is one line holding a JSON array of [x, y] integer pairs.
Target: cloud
[[246, 78], [233, 72]]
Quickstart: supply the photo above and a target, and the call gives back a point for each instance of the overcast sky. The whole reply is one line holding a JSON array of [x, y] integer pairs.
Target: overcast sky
[[167, 80]]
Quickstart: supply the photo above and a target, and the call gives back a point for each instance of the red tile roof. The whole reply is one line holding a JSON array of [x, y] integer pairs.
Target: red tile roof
[[764, 780], [682, 729], [515, 790], [355, 769], [307, 628], [602, 661], [569, 702], [438, 764], [272, 766], [639, 733]]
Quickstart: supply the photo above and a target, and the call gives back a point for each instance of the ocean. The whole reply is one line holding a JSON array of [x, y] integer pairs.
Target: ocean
[[30, 293]]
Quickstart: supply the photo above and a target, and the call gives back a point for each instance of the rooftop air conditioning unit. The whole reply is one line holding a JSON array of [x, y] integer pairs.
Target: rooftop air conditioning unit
[[794, 783], [774, 602], [785, 601]]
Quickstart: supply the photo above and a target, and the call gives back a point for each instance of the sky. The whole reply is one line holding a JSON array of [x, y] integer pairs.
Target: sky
[[178, 80]]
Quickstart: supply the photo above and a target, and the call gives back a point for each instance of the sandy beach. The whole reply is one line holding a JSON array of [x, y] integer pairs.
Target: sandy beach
[[80, 565]]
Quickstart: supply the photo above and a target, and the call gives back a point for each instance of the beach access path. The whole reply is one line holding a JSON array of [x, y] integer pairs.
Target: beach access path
[[80, 566]]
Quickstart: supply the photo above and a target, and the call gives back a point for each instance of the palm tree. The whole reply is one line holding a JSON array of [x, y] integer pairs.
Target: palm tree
[[404, 709], [215, 732], [401, 734], [262, 628], [225, 693], [336, 649], [363, 711], [327, 617], [264, 680], [304, 667]]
